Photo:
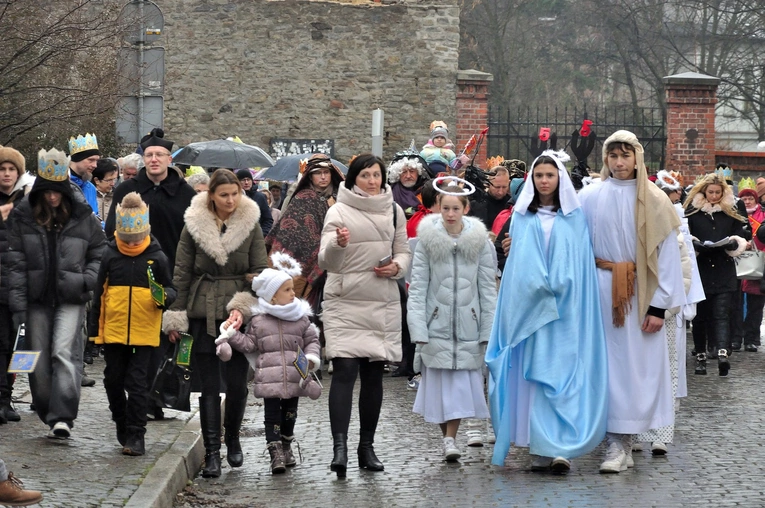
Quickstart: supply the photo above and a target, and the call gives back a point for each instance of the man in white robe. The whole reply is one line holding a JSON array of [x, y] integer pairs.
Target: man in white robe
[[633, 228]]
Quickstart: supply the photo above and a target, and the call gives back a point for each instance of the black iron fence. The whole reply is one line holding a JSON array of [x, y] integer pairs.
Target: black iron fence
[[512, 132]]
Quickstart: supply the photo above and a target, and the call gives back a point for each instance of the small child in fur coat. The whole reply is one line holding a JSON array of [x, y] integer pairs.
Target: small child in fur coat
[[279, 326]]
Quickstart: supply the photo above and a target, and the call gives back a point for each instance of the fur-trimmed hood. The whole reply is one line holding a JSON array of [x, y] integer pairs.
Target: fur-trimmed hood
[[433, 237], [700, 202], [201, 225]]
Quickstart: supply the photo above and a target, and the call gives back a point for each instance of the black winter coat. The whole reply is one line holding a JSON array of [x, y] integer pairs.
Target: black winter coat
[[167, 204], [79, 246], [266, 219], [716, 268], [488, 209], [13, 197]]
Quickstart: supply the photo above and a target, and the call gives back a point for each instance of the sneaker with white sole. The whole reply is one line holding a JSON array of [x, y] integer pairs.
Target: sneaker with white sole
[[330, 370], [629, 461], [560, 465], [616, 459], [474, 438], [414, 384], [540, 463], [658, 449], [490, 437], [60, 430], [637, 447], [451, 452]]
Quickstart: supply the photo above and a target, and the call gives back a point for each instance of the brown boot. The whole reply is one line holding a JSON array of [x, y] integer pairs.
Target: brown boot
[[277, 457], [12, 493], [289, 456]]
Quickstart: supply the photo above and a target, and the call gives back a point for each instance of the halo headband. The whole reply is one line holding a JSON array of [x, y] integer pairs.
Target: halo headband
[[470, 188]]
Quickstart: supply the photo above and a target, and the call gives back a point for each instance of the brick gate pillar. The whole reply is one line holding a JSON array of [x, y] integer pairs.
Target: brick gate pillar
[[472, 109], [691, 100]]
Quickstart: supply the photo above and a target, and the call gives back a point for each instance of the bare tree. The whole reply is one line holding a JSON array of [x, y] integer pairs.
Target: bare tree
[[57, 71]]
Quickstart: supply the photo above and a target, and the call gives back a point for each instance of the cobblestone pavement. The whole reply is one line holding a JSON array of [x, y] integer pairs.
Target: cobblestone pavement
[[87, 470], [717, 459]]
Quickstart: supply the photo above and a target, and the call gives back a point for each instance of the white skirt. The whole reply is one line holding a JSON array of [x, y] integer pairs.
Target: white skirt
[[446, 395]]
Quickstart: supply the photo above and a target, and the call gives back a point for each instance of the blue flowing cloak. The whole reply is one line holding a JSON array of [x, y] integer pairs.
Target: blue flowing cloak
[[549, 305]]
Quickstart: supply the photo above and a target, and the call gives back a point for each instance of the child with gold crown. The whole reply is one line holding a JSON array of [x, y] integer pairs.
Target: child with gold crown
[[135, 284]]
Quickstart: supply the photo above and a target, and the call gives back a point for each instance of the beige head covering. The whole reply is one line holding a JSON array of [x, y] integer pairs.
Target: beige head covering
[[655, 218]]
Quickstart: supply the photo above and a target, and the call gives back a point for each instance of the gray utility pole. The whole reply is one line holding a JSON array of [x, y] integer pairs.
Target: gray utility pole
[[141, 72]]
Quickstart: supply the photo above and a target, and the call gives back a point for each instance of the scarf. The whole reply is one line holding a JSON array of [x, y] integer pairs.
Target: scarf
[[132, 251], [654, 220], [290, 312], [405, 197], [622, 288]]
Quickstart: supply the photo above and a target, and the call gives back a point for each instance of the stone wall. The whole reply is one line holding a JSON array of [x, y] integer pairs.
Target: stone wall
[[263, 69]]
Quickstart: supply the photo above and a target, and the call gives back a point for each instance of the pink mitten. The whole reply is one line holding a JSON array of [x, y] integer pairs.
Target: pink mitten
[[223, 351]]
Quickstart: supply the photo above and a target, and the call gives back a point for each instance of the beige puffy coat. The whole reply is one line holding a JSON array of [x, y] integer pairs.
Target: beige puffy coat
[[362, 312]]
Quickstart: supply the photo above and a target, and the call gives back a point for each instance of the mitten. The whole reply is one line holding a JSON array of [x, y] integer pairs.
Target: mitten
[[223, 351]]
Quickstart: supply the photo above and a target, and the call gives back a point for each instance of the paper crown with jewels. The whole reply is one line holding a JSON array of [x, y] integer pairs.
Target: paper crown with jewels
[[52, 165], [82, 143], [497, 160], [724, 171], [132, 218], [747, 183]]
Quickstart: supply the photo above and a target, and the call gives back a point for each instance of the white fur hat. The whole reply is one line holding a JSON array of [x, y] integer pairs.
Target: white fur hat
[[268, 283]]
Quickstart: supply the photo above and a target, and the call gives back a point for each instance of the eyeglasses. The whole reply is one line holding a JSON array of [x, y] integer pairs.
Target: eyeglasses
[[110, 180], [155, 155]]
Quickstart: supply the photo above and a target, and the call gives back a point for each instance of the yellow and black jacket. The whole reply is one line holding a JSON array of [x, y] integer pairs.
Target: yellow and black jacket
[[124, 311]]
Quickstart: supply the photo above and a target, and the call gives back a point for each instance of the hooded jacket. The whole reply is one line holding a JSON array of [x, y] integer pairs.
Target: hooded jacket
[[124, 311], [212, 264], [21, 189], [362, 312], [276, 341], [79, 246], [452, 295]]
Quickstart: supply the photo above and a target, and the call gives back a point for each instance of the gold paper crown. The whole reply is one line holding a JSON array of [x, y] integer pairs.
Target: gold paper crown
[[52, 165], [747, 183], [80, 143], [494, 161]]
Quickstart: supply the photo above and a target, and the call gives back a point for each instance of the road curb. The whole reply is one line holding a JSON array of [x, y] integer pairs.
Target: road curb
[[173, 470]]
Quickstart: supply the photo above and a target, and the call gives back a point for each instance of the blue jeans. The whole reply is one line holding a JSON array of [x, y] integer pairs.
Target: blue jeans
[[55, 384]]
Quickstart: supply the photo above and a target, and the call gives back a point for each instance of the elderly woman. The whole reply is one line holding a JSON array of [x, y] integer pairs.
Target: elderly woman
[[364, 250], [298, 233], [199, 182], [104, 178], [129, 166], [220, 246]]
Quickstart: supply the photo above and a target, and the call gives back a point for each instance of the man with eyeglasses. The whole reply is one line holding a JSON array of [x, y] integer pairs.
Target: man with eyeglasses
[[164, 189], [497, 198]]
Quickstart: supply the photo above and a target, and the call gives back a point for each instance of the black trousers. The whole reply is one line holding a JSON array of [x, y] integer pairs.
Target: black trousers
[[753, 319], [7, 340], [125, 371], [737, 316], [345, 372], [279, 416], [711, 326]]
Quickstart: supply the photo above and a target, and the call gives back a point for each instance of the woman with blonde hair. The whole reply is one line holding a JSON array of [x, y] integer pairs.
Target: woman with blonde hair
[[720, 234]]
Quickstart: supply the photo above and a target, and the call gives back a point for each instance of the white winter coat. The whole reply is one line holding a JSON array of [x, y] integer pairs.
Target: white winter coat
[[452, 295], [362, 312]]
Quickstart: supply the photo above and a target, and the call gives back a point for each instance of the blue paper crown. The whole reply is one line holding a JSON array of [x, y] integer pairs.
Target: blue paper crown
[[132, 220], [53, 165], [724, 171], [81, 144]]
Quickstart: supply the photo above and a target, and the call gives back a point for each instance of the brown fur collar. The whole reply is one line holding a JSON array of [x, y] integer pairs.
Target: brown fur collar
[[200, 223]]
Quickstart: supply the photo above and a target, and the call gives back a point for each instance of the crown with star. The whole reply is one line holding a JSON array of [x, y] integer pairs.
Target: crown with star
[[82, 143], [52, 165]]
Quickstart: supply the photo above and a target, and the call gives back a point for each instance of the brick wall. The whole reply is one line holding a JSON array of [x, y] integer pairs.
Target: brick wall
[[472, 109], [751, 164]]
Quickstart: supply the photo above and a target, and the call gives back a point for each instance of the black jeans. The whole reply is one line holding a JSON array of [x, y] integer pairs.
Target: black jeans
[[279, 416], [125, 371], [345, 371], [753, 319], [711, 326], [7, 340], [737, 316]]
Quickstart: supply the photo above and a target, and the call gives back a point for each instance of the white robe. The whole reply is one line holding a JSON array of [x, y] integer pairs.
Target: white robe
[[639, 380]]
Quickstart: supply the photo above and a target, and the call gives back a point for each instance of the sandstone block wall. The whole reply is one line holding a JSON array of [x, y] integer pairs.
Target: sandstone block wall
[[309, 69]]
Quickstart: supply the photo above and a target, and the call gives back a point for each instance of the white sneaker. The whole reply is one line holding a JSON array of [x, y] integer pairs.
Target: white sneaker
[[475, 438], [616, 459], [490, 437], [629, 461], [540, 463], [637, 447], [451, 452], [560, 465], [330, 370], [60, 430], [658, 448]]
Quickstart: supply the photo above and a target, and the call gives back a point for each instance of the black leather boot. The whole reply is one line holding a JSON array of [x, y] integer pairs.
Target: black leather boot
[[209, 416], [340, 449], [121, 431], [134, 444], [701, 364], [723, 365], [232, 422], [367, 458]]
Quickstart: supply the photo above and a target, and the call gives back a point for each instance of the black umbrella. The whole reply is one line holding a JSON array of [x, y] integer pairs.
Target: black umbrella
[[287, 168], [222, 153]]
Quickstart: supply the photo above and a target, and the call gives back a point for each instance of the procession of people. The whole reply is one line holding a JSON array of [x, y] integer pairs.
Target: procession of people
[[550, 315]]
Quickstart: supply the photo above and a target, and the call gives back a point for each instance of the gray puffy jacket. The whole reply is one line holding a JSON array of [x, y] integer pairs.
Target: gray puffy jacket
[[452, 295]]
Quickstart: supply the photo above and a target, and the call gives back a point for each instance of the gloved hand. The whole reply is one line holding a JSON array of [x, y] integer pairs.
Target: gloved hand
[[732, 245], [700, 247]]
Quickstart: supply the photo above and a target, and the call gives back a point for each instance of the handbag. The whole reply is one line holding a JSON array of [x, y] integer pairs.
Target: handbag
[[172, 384], [750, 265]]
